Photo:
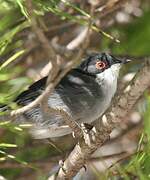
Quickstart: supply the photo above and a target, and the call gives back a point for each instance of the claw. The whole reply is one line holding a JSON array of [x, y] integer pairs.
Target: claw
[[73, 135], [61, 165], [89, 133], [86, 127], [85, 168]]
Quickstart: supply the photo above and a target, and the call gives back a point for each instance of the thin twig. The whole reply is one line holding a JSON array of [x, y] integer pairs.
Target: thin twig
[[110, 6]]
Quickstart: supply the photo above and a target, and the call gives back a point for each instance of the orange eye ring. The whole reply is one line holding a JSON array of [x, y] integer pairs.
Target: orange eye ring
[[100, 65]]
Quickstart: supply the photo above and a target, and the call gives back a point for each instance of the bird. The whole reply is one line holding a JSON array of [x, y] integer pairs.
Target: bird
[[84, 93]]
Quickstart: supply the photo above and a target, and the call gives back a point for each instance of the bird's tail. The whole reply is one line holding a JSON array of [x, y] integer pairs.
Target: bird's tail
[[4, 107], [4, 112]]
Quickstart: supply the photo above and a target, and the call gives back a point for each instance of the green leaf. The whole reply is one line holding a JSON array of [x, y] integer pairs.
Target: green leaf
[[11, 59], [22, 8], [6, 145], [4, 123], [147, 118]]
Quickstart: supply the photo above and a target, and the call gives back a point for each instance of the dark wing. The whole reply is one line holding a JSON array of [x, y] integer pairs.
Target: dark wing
[[74, 85], [31, 93], [36, 88]]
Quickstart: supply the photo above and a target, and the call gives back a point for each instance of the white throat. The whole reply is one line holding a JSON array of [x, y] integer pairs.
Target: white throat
[[109, 75], [108, 81]]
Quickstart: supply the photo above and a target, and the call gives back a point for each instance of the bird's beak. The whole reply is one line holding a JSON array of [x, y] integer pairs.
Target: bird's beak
[[124, 61]]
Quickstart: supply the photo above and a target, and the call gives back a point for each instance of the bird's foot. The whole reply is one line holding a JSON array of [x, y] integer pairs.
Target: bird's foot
[[89, 133], [61, 165]]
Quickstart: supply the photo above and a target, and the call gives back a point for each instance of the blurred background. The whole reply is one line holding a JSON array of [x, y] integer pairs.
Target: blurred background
[[23, 61]]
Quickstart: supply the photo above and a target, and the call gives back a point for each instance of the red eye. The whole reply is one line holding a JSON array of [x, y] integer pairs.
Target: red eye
[[100, 65]]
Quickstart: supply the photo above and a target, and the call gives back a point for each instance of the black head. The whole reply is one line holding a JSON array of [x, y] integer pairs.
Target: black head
[[97, 63]]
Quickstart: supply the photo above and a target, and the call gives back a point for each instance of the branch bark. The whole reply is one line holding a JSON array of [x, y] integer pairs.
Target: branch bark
[[112, 118]]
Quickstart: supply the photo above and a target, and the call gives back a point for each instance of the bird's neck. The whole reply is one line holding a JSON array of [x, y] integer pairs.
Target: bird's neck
[[108, 80]]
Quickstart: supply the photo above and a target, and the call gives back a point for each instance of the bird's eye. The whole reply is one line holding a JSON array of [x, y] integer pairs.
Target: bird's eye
[[100, 65]]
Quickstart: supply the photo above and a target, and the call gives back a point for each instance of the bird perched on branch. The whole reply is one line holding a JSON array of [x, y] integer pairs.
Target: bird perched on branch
[[84, 94]]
